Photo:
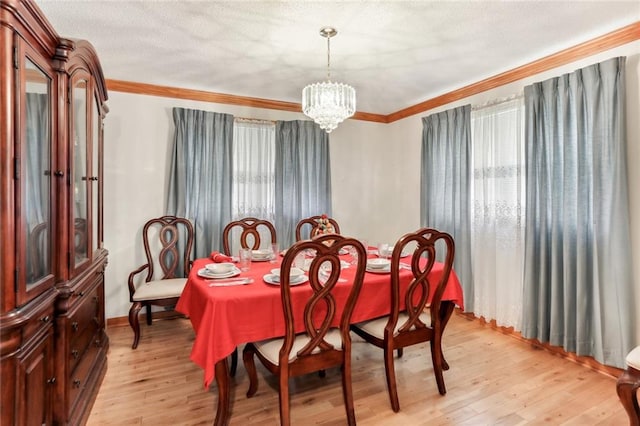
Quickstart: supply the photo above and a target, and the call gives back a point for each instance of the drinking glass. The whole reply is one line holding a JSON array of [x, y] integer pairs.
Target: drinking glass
[[274, 253], [244, 259], [383, 250], [365, 243]]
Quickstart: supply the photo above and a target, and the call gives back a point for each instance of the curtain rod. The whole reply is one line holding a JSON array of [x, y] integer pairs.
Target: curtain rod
[[253, 120], [499, 101]]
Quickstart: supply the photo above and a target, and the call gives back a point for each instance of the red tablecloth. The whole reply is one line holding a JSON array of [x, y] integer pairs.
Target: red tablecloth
[[226, 317]]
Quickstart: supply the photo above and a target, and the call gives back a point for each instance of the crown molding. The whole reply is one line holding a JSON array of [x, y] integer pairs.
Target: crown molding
[[608, 41]]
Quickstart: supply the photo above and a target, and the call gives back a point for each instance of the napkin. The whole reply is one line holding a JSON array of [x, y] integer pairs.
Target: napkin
[[218, 257]]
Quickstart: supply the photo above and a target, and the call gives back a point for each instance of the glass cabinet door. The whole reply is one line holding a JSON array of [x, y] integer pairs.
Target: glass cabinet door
[[33, 172], [96, 202], [81, 178]]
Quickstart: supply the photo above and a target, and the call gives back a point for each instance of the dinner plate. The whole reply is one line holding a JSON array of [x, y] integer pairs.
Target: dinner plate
[[273, 280], [379, 270], [208, 274], [260, 256]]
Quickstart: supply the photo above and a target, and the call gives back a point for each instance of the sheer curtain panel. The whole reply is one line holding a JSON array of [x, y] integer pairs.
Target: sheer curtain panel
[[253, 175], [578, 290], [445, 185], [303, 175], [199, 187], [498, 198]]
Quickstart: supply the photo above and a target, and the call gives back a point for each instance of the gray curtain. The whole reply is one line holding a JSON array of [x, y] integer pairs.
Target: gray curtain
[[303, 176], [445, 185], [200, 174], [578, 284]]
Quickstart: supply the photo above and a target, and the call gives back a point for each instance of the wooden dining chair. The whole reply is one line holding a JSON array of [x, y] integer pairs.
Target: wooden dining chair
[[312, 225], [628, 385], [408, 323], [321, 312], [168, 241], [250, 237], [251, 229]]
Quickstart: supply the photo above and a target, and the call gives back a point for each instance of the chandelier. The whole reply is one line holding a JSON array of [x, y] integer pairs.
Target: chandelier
[[328, 103]]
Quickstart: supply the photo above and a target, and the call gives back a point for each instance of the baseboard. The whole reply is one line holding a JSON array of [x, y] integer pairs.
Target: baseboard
[[159, 315], [585, 361]]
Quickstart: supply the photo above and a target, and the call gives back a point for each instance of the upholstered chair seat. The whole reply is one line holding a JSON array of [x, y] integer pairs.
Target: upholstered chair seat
[[160, 289], [376, 326], [270, 349]]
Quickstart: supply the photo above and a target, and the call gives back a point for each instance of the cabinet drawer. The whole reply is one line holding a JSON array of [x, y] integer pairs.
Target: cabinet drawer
[[86, 313], [40, 319], [77, 380], [79, 345]]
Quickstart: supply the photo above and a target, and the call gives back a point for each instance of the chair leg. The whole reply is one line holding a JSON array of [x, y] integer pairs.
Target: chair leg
[[436, 359], [627, 388], [347, 392], [390, 371], [149, 319], [134, 323], [250, 366], [400, 352], [234, 363], [285, 409]]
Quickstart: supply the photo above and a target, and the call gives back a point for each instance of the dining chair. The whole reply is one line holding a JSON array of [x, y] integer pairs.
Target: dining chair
[[628, 385], [251, 230], [322, 313], [408, 322], [312, 225], [168, 241]]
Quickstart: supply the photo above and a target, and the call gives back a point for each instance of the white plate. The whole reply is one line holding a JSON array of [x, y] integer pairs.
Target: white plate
[[260, 255], [208, 274], [273, 280], [260, 259], [379, 270]]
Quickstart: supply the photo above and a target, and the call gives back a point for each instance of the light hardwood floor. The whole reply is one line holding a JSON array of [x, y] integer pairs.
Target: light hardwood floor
[[495, 379]]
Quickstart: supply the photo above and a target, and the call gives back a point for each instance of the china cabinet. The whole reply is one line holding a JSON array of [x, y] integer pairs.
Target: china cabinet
[[52, 260]]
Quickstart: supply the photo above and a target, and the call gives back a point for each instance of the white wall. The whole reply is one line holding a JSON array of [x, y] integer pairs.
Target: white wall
[[375, 169]]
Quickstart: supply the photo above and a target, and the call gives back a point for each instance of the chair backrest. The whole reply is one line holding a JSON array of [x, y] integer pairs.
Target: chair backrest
[[250, 235], [424, 244], [313, 223], [323, 304], [168, 241]]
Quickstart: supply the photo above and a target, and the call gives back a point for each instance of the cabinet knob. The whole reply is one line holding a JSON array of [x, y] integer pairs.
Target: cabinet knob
[[74, 325], [58, 173], [80, 294], [75, 353], [93, 178], [76, 383], [45, 318], [51, 381]]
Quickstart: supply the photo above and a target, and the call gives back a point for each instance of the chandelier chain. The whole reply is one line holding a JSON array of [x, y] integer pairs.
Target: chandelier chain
[[329, 58]]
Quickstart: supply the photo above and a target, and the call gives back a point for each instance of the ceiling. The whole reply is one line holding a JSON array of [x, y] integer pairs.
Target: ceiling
[[395, 53]]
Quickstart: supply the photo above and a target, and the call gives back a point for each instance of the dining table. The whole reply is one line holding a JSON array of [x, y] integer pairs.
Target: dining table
[[226, 314]]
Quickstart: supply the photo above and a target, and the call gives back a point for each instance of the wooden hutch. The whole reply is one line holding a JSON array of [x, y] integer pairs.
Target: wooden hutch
[[52, 260]]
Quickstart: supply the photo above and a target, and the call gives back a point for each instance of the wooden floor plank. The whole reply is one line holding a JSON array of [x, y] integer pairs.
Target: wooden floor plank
[[494, 379]]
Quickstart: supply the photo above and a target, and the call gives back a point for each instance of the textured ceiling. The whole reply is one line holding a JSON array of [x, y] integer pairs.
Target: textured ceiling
[[395, 53]]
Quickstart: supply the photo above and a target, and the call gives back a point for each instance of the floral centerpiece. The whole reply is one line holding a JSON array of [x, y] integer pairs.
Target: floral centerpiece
[[324, 226]]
